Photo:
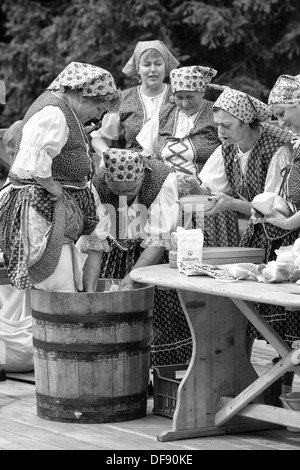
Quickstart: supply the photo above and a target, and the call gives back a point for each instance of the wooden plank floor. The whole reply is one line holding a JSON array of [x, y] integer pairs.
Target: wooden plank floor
[[22, 429]]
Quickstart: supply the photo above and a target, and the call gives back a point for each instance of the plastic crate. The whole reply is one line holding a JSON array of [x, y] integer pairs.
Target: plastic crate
[[166, 380]]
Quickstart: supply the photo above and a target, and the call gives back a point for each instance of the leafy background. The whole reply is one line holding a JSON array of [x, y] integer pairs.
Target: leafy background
[[249, 42]]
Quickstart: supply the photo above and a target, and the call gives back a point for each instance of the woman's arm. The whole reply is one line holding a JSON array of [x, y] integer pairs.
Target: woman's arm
[[151, 255], [287, 223], [53, 187], [43, 137], [224, 202], [91, 270]]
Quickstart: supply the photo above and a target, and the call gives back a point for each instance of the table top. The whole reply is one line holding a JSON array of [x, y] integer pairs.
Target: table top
[[286, 294]]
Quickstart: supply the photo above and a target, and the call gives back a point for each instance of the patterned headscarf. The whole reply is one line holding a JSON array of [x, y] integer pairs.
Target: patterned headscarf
[[123, 165], [132, 66], [86, 79], [285, 91], [242, 106], [192, 78]]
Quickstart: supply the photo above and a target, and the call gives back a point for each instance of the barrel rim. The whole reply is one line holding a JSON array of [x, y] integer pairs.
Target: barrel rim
[[142, 286]]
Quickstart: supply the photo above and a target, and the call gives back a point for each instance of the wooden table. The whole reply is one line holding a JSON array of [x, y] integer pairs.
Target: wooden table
[[220, 392]]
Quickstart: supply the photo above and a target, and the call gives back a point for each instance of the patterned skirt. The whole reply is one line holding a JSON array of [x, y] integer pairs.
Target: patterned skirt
[[72, 215], [220, 229], [172, 341]]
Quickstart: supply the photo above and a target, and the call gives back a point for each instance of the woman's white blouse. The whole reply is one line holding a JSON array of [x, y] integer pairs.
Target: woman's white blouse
[[213, 174], [161, 220], [43, 137]]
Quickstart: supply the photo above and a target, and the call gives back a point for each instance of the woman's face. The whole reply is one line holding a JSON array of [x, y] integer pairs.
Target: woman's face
[[230, 129], [91, 108], [129, 189], [152, 69], [189, 102], [288, 117]]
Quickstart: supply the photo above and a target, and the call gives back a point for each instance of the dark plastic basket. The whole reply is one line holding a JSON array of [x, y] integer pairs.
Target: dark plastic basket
[[165, 384]]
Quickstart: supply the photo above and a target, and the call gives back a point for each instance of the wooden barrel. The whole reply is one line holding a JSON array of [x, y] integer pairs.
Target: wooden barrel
[[92, 353]]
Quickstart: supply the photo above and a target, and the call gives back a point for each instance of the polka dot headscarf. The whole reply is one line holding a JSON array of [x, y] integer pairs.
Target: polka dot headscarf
[[86, 79], [193, 78], [285, 91], [123, 165], [242, 106]]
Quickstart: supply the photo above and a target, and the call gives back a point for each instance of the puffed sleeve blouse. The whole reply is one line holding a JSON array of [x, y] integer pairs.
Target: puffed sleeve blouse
[[213, 174], [43, 137], [161, 221]]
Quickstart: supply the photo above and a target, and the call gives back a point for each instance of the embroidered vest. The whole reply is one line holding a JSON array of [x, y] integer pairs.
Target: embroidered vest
[[203, 138], [271, 138], [73, 164], [132, 114], [293, 180]]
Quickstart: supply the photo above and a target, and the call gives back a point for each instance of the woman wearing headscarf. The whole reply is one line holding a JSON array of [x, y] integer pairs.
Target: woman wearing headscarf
[[284, 102], [49, 204], [136, 200], [250, 160], [188, 136], [150, 64]]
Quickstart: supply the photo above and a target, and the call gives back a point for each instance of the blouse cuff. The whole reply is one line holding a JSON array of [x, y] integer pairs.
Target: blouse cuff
[[156, 242], [87, 243], [32, 162]]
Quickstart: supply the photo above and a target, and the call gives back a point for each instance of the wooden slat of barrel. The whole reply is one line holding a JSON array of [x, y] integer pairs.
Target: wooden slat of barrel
[[3, 275], [92, 353], [4, 158]]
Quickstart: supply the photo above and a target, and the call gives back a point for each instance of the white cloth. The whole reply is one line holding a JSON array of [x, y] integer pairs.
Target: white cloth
[[213, 173], [148, 135], [161, 220], [67, 276], [43, 137], [16, 346]]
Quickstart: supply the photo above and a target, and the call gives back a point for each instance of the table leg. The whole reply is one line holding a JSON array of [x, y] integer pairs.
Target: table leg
[[219, 367], [247, 395]]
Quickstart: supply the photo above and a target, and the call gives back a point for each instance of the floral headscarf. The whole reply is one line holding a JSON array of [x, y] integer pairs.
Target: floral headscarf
[[86, 79], [123, 165], [132, 66], [285, 91], [242, 106], [192, 78]]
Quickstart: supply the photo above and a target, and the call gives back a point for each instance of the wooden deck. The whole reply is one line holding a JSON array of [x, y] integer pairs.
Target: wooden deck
[[22, 429]]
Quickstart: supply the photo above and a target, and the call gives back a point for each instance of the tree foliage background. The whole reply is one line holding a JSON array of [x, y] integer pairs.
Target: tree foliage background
[[249, 42]]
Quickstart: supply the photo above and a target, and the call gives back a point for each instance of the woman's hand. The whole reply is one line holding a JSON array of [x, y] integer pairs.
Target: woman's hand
[[186, 183], [256, 217], [53, 187], [127, 281], [223, 203]]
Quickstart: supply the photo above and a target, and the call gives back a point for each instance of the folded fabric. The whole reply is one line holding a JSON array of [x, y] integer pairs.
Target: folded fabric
[[269, 203]]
